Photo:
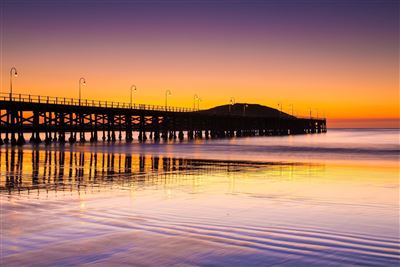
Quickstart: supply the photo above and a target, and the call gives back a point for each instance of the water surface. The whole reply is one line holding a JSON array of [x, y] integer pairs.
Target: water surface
[[314, 200]]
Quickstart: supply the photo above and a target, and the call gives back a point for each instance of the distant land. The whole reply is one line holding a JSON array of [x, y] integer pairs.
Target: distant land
[[251, 110]]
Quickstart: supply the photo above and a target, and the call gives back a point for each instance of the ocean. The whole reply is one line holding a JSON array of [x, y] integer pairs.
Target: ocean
[[307, 200]]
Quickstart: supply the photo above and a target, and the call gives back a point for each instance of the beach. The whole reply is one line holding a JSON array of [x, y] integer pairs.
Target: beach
[[309, 200]]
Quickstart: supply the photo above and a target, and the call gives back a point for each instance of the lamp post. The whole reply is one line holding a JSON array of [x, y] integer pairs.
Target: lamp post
[[244, 109], [167, 92], [133, 88], [280, 109], [231, 103], [194, 100], [198, 103], [12, 70], [82, 81], [291, 105]]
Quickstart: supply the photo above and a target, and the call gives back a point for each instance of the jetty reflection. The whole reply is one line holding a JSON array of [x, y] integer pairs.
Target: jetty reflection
[[60, 170]]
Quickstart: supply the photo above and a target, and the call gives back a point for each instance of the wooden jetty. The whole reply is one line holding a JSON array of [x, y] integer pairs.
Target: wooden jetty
[[56, 119]]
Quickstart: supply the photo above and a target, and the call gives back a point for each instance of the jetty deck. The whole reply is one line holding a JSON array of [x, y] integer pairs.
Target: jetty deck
[[57, 119]]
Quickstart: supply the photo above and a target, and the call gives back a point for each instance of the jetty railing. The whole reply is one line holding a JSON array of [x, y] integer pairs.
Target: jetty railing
[[28, 98]]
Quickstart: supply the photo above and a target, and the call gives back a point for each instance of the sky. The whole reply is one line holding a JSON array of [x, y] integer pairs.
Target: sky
[[339, 59]]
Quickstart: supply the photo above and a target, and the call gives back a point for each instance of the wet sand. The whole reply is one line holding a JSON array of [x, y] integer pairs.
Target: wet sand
[[78, 207]]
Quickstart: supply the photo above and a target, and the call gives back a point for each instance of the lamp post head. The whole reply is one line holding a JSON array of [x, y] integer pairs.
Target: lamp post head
[[13, 69]]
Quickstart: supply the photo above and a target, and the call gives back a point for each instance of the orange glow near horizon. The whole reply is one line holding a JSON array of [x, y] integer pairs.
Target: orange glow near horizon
[[114, 85], [354, 77]]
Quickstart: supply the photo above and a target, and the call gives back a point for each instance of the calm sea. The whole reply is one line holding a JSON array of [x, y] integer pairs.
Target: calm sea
[[313, 200]]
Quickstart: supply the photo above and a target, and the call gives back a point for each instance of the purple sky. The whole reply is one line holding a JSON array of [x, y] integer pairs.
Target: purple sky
[[344, 47]]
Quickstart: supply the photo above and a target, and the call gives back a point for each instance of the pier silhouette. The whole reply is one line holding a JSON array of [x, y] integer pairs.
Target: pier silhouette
[[56, 119]]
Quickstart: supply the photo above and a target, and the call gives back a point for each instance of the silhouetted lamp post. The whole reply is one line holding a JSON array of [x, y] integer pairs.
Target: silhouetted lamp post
[[82, 81], [167, 93], [231, 103], [198, 103], [194, 100], [244, 109], [133, 88], [280, 109], [13, 72]]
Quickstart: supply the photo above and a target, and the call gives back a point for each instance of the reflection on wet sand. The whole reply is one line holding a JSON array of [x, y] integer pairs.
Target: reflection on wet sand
[[36, 169], [124, 209], [155, 205]]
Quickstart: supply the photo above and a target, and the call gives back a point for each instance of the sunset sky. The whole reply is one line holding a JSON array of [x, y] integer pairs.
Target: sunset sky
[[338, 57]]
